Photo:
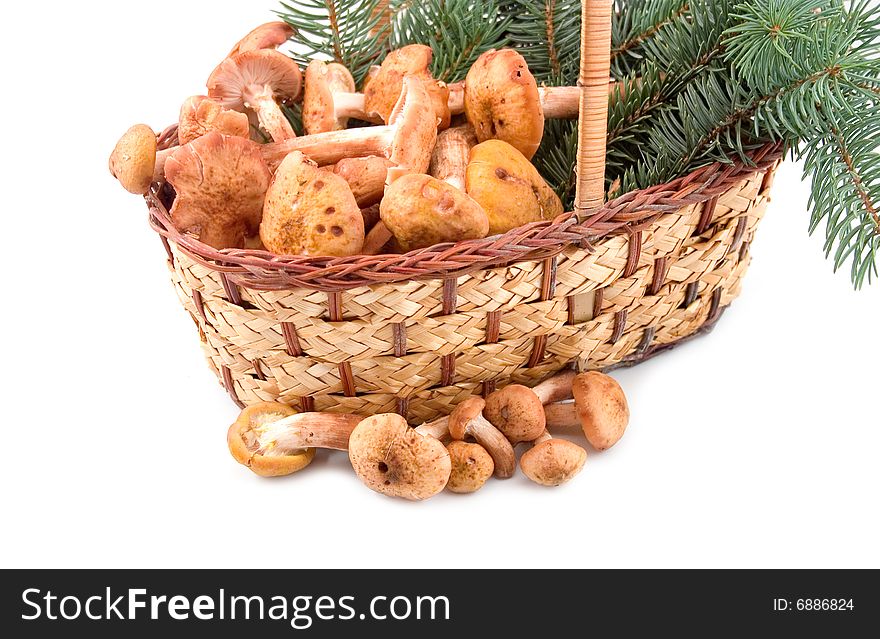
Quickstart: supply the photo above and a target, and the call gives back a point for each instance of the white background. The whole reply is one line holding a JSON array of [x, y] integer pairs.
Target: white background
[[756, 446]]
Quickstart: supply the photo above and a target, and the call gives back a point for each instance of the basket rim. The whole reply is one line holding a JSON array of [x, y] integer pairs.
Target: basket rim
[[632, 212]]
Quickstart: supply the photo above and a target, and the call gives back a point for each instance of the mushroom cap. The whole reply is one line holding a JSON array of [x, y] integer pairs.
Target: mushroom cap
[[509, 187], [200, 115], [472, 467], [266, 36], [372, 72], [416, 133], [322, 82], [502, 101], [382, 90], [241, 75], [391, 458], [422, 211], [365, 176], [602, 408], [221, 182], [463, 414], [243, 436], [134, 159], [517, 412], [553, 462], [309, 211]]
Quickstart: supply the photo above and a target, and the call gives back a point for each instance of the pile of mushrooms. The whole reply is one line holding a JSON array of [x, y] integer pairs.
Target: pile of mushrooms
[[405, 164], [459, 453]]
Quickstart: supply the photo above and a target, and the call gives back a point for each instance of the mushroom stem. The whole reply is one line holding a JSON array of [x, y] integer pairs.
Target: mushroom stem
[[351, 105], [377, 238], [307, 430], [495, 443], [558, 102], [555, 389], [438, 429], [451, 155], [562, 415], [261, 100], [333, 146]]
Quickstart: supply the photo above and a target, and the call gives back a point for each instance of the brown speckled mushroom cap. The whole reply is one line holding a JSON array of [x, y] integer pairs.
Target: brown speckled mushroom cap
[[134, 159], [553, 462], [464, 413], [266, 36], [502, 101], [602, 408], [259, 81], [391, 458], [200, 115], [509, 187], [243, 440], [416, 130], [323, 81], [310, 212], [221, 183], [517, 412], [472, 466], [421, 211]]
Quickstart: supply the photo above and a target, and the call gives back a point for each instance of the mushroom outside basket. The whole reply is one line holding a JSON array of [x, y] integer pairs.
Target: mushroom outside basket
[[608, 285]]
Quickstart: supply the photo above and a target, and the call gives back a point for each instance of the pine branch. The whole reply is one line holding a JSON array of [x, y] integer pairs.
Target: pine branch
[[547, 34], [635, 22]]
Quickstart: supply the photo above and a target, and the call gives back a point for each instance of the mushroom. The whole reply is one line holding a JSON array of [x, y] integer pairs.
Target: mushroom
[[599, 408], [370, 216], [438, 429], [517, 412], [552, 462], [391, 458], [134, 160], [330, 98], [472, 466], [421, 211], [258, 80], [467, 421], [406, 141], [200, 115], [557, 103], [451, 155], [243, 440], [267, 36], [273, 442], [382, 89], [221, 182], [366, 176], [556, 388], [509, 187], [308, 211]]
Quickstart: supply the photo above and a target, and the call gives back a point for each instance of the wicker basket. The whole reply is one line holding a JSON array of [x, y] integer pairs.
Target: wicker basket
[[609, 285]]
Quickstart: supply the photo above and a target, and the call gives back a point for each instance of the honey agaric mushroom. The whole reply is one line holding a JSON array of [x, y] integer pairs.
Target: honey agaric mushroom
[[221, 183], [330, 98], [552, 462], [258, 80], [517, 412], [134, 160], [556, 388], [406, 141], [272, 443], [472, 466], [266, 36], [509, 187], [366, 176], [467, 421], [599, 408], [200, 115], [421, 211], [308, 211], [382, 90], [244, 443], [391, 458], [451, 155]]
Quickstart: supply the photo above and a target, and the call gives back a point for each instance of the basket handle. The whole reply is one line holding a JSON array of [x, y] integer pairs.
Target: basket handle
[[593, 126]]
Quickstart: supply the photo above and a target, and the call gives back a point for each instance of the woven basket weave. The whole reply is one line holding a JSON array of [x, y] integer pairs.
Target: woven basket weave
[[610, 285]]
